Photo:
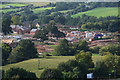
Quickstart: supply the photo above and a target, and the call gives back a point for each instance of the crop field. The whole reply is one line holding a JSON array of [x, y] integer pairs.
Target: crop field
[[38, 10], [100, 12], [48, 62]]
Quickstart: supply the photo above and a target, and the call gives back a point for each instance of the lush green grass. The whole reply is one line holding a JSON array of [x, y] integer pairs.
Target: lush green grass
[[38, 10], [100, 12], [14, 4], [7, 10], [49, 62]]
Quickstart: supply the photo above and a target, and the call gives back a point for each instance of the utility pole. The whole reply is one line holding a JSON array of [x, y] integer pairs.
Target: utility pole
[[109, 76], [38, 63], [115, 74]]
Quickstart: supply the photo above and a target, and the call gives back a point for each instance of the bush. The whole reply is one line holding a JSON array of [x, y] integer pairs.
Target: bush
[[53, 74], [19, 74], [112, 48]]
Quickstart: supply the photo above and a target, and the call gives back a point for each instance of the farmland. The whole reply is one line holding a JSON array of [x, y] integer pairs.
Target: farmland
[[99, 12], [14, 5], [7, 10], [38, 10], [48, 62]]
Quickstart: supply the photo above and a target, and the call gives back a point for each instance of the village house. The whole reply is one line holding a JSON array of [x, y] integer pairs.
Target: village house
[[20, 29], [33, 31]]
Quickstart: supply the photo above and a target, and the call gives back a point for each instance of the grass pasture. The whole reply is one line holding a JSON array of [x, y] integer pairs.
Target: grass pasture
[[39, 10], [7, 10], [99, 12], [14, 4], [48, 62]]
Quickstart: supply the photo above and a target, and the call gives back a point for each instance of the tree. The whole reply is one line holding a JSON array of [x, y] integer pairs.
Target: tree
[[101, 70], [6, 29], [112, 48], [41, 34], [27, 11], [19, 74], [6, 50], [81, 45], [51, 74], [25, 50], [86, 57], [16, 20], [73, 69], [60, 19], [112, 62], [63, 48], [52, 28]]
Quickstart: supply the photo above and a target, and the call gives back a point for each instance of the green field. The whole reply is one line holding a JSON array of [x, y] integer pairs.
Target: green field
[[99, 12], [48, 62], [39, 10], [7, 10], [14, 4]]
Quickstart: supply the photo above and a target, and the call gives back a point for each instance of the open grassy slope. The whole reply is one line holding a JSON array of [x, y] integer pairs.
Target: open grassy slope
[[49, 62], [7, 10], [100, 12], [14, 4], [38, 10]]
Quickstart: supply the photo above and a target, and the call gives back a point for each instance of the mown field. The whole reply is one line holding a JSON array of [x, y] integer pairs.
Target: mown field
[[38, 10], [48, 62], [99, 12]]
